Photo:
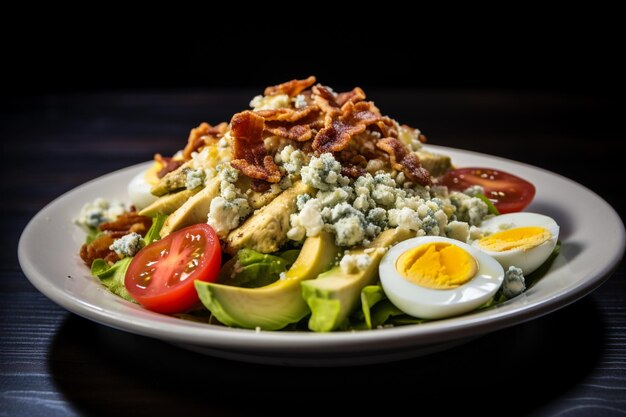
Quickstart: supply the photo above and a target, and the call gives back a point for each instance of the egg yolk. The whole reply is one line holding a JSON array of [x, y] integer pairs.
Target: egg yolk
[[523, 238], [437, 265], [151, 176]]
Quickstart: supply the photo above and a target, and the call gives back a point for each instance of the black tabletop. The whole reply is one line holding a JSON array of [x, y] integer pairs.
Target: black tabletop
[[54, 363]]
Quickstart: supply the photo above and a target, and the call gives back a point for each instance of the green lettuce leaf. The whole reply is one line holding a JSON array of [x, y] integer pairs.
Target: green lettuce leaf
[[387, 314], [252, 269], [376, 311], [383, 311], [491, 209], [155, 230], [112, 276], [370, 295]]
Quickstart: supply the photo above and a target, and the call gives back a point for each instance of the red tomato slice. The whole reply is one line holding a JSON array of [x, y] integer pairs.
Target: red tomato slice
[[161, 275], [508, 192]]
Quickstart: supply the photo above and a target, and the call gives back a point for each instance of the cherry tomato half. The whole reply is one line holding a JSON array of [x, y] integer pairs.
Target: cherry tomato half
[[161, 276], [508, 192]]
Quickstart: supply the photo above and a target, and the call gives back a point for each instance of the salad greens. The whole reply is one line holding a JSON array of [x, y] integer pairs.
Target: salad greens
[[370, 295], [491, 209], [252, 269], [155, 230], [112, 276], [377, 311]]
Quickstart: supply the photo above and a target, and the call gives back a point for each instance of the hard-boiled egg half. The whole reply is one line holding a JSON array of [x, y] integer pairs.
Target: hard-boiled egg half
[[139, 187], [433, 277], [524, 240]]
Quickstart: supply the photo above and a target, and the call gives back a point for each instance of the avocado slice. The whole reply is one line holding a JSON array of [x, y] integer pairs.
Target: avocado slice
[[334, 294], [169, 203], [194, 210], [276, 305]]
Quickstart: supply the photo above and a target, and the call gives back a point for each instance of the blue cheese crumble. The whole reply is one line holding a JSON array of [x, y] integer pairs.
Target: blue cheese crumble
[[458, 230], [353, 263], [323, 173], [299, 101], [474, 190], [471, 210], [514, 282], [227, 173], [357, 211], [127, 245], [195, 178], [292, 159], [99, 211], [231, 206]]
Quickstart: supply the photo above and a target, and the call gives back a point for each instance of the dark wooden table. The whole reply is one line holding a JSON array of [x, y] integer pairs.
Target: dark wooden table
[[54, 363]]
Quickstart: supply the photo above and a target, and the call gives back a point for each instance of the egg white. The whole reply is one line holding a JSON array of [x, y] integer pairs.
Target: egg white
[[139, 191], [428, 303], [527, 260]]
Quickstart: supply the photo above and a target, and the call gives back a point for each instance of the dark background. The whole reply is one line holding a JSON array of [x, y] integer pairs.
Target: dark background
[[85, 95], [569, 59], [566, 50]]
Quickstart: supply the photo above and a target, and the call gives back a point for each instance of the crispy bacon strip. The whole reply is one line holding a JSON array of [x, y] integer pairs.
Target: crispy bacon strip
[[341, 127], [250, 154], [291, 88], [387, 127], [246, 131], [336, 136], [98, 249], [299, 133], [356, 95], [168, 164], [287, 115], [404, 160], [259, 186], [266, 170], [128, 222], [124, 224], [198, 138], [280, 122], [352, 171], [324, 99], [361, 113], [201, 136]]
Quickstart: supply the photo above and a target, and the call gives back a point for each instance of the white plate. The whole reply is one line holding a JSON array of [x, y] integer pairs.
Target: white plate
[[593, 243]]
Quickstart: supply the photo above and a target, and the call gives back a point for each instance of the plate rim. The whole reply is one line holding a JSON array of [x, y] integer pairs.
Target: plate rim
[[186, 332]]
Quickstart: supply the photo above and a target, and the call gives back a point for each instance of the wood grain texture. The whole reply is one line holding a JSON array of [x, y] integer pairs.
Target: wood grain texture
[[53, 363]]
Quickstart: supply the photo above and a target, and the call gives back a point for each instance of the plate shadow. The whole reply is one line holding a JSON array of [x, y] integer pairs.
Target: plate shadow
[[104, 372]]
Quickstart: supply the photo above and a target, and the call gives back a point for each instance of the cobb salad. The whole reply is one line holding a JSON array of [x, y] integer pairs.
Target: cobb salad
[[314, 211]]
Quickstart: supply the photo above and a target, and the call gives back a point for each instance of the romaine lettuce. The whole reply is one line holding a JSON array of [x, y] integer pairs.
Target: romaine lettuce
[[252, 269], [112, 276], [376, 311]]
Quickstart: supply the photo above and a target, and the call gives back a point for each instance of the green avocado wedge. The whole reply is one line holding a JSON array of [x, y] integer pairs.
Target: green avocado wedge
[[335, 294], [276, 305]]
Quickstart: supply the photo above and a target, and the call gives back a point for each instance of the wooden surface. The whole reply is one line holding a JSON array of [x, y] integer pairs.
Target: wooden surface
[[53, 363]]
